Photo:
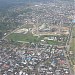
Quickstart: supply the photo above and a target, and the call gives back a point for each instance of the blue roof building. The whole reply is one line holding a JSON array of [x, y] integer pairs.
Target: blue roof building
[[73, 21]]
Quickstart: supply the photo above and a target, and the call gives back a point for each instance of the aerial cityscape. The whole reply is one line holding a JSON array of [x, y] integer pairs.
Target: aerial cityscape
[[37, 37]]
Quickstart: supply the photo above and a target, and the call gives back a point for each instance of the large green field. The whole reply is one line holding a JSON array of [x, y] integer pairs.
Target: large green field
[[23, 37], [17, 37]]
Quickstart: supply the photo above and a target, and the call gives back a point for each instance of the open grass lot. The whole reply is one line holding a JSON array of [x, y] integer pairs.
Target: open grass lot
[[22, 37], [18, 37], [53, 42]]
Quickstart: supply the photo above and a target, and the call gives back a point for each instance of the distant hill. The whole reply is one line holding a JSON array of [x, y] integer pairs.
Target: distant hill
[[7, 3]]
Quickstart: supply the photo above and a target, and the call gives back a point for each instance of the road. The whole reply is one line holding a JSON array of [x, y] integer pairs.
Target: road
[[68, 43]]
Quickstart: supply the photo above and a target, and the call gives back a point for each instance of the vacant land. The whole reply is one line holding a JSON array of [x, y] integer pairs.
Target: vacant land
[[19, 37], [22, 37], [53, 42]]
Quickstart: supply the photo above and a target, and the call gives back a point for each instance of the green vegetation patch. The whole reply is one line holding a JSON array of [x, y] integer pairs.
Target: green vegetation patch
[[52, 42], [17, 37], [22, 37]]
